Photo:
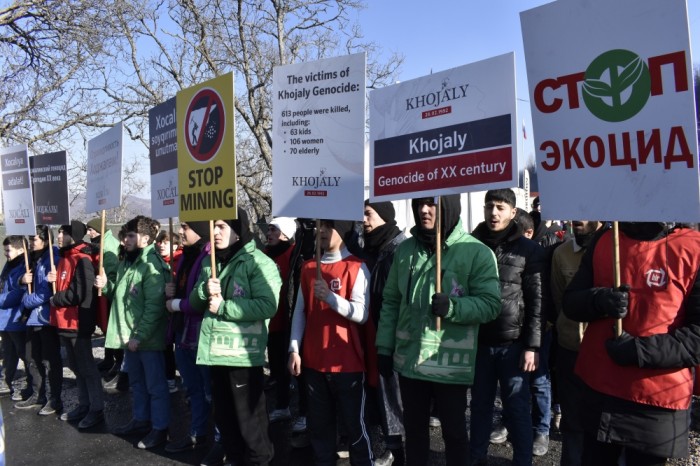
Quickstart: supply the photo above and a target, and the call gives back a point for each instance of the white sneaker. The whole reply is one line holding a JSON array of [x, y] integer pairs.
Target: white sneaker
[[299, 425], [280, 415], [172, 386], [434, 422]]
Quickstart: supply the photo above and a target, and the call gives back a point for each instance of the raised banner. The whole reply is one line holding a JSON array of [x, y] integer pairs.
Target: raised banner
[[206, 157], [50, 188], [449, 132], [318, 139], [613, 111], [104, 177], [162, 125], [18, 206]]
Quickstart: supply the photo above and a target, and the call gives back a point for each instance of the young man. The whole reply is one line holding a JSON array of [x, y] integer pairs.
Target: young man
[[137, 324], [43, 344], [508, 346], [12, 327], [237, 306], [184, 326], [279, 248], [436, 365], [638, 385], [163, 247], [73, 313], [327, 318], [381, 238]]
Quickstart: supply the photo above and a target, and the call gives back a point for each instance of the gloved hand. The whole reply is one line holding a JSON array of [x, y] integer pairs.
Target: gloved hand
[[612, 302], [441, 304], [386, 365], [623, 350]]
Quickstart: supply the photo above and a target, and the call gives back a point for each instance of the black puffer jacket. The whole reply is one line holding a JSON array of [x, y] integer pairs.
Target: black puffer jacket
[[521, 264]]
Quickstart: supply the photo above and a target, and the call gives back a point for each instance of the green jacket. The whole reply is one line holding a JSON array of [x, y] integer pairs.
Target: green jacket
[[237, 334], [138, 302], [407, 328]]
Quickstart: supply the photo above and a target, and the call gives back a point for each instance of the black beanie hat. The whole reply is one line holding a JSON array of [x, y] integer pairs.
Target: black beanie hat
[[241, 225], [200, 227], [385, 210], [75, 230], [345, 228]]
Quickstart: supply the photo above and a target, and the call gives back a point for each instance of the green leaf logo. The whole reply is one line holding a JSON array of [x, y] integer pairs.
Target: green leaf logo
[[616, 86]]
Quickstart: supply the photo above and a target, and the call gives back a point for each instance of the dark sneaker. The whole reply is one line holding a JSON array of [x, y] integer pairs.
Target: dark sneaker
[[75, 414], [189, 442], [32, 402], [540, 445], [155, 437], [52, 407], [105, 365], [215, 457], [499, 435], [133, 427], [92, 419]]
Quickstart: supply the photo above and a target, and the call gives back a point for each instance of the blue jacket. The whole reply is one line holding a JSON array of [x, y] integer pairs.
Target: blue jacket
[[11, 298], [36, 303]]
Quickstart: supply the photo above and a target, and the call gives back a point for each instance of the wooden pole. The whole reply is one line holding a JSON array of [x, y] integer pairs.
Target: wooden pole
[[170, 225], [318, 249], [212, 253], [616, 270], [53, 267], [26, 261], [438, 256], [100, 264]]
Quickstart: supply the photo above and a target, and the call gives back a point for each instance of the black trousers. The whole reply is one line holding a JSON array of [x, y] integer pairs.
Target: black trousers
[[241, 415], [451, 404], [14, 347], [44, 352], [277, 346]]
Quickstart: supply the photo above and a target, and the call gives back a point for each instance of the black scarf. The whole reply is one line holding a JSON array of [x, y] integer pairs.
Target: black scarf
[[223, 256], [449, 216], [376, 239], [35, 256], [278, 249], [643, 231], [584, 239], [8, 268], [493, 238], [131, 256]]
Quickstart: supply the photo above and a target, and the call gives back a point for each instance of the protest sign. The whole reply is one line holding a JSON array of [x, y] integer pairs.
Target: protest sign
[[613, 110], [318, 138], [104, 177], [50, 188], [162, 124], [18, 206], [206, 158], [449, 132]]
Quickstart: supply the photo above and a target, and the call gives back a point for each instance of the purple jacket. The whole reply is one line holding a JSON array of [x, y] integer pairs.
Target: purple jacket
[[192, 318]]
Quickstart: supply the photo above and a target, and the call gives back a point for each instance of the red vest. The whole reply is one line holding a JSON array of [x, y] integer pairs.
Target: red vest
[[332, 343], [66, 318], [661, 274]]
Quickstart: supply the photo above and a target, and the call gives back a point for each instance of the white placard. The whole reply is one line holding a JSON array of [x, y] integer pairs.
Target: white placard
[[104, 178], [449, 132], [18, 205], [611, 93], [318, 139]]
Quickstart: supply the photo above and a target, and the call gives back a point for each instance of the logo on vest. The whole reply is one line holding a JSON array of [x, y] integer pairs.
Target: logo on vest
[[64, 274], [335, 285], [655, 277]]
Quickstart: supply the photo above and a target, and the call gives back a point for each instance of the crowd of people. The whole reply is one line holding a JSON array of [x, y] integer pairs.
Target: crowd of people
[[377, 328]]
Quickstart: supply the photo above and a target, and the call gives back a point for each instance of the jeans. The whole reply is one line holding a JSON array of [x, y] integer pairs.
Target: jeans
[[13, 348], [541, 389], [571, 390], [342, 393], [197, 381], [87, 377], [451, 405], [44, 349], [241, 415], [149, 388], [501, 365]]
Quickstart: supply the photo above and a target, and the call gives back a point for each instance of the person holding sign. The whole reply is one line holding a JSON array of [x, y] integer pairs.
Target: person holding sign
[[137, 324], [43, 345], [12, 328], [237, 301], [73, 313], [639, 384], [436, 364], [508, 346], [331, 306]]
